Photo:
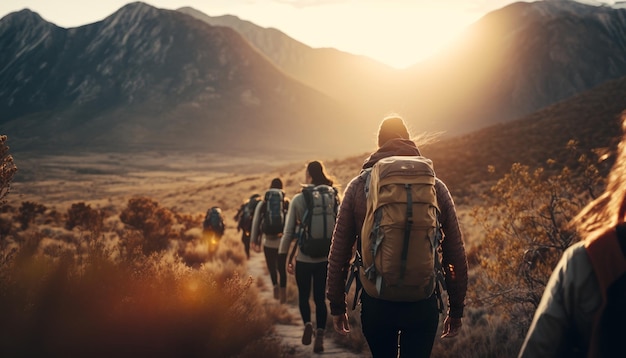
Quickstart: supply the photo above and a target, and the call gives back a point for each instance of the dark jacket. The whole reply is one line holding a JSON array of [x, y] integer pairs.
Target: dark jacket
[[350, 220]]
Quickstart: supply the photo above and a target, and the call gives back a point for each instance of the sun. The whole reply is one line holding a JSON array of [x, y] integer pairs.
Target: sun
[[404, 37], [397, 33]]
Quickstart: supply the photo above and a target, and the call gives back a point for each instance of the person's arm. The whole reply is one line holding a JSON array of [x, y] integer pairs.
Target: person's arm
[[344, 237], [238, 215], [562, 322], [544, 337], [454, 259], [255, 237], [290, 225]]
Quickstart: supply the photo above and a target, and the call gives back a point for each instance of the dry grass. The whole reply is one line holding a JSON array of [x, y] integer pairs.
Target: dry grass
[[184, 192]]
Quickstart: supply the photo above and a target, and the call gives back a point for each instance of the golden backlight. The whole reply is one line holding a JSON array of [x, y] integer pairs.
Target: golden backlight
[[397, 33]]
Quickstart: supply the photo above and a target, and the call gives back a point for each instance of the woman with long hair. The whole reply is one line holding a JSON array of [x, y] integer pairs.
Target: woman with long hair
[[309, 267], [582, 309]]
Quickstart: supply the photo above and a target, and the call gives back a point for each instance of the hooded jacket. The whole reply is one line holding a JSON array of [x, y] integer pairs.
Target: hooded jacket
[[350, 220]]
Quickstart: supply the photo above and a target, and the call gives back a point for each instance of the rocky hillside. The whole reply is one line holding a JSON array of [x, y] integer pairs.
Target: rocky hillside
[[151, 79], [145, 78]]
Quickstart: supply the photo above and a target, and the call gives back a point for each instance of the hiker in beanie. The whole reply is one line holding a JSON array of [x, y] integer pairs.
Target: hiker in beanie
[[582, 311], [310, 266], [391, 327], [270, 240]]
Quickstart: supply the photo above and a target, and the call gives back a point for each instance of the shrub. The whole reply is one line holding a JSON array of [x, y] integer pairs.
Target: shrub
[[7, 169], [152, 306], [82, 215], [28, 211], [154, 222], [526, 219]]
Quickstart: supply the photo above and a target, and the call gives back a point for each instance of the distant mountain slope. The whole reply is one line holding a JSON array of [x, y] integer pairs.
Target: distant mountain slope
[[365, 84], [591, 118], [510, 63], [519, 59], [148, 78]]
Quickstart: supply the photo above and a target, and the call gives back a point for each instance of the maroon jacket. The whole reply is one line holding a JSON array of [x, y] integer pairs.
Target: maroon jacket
[[348, 228]]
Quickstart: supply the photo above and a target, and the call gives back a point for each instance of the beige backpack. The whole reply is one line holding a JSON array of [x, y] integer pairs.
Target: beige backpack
[[401, 232]]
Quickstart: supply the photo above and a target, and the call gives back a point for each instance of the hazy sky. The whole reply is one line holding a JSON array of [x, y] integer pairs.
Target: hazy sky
[[396, 32]]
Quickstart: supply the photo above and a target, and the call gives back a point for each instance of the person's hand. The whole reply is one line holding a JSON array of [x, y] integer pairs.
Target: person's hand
[[290, 268], [451, 327], [341, 324], [255, 247]]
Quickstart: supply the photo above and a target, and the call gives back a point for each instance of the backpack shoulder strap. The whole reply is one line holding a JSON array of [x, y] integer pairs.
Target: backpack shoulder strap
[[621, 237], [606, 253]]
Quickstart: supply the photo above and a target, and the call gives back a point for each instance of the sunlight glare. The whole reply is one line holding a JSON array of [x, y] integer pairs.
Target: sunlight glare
[[399, 34]]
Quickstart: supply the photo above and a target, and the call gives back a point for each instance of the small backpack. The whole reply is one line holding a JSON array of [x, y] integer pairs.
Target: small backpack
[[318, 221], [273, 212], [214, 221], [401, 232], [247, 214]]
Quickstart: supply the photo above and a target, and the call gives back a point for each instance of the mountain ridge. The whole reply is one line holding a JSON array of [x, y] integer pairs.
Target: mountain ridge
[[144, 72], [147, 78]]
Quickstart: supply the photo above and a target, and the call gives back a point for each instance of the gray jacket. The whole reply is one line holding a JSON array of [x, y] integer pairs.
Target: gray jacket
[[563, 321]]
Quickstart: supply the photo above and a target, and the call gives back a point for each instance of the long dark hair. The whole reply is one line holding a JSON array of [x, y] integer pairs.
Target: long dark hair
[[318, 173]]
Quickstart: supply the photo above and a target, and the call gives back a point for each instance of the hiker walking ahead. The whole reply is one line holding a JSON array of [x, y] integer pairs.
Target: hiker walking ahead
[[244, 218], [213, 228], [267, 226], [582, 311], [399, 298], [313, 212], [213, 223]]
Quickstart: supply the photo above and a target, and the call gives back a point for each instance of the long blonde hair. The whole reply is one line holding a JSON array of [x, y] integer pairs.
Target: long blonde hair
[[609, 208]]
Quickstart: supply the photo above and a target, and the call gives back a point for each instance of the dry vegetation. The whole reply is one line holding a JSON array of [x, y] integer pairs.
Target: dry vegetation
[[113, 262]]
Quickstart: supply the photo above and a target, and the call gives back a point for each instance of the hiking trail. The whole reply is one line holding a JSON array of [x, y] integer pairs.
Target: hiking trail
[[291, 334]]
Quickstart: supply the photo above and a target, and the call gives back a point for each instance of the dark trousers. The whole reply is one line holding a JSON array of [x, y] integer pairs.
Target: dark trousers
[[245, 238], [315, 272], [273, 266], [415, 323]]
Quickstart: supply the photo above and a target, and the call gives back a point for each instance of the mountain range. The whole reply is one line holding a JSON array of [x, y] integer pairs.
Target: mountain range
[[152, 79]]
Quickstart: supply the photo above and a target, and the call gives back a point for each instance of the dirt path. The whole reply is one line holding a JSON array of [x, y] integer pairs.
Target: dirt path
[[292, 334]]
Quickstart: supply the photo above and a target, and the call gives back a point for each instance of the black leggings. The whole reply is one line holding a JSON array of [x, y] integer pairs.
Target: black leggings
[[273, 266], [246, 243], [414, 322], [305, 272]]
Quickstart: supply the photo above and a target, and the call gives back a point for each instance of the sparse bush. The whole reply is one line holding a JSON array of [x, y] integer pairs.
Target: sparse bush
[[154, 222], [482, 335], [526, 220], [82, 215], [189, 221], [152, 306], [7, 168], [28, 211]]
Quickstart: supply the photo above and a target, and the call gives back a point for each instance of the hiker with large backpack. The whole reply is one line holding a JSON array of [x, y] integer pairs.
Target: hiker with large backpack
[[214, 222], [399, 215], [582, 312], [267, 229], [244, 218], [213, 228], [310, 220]]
